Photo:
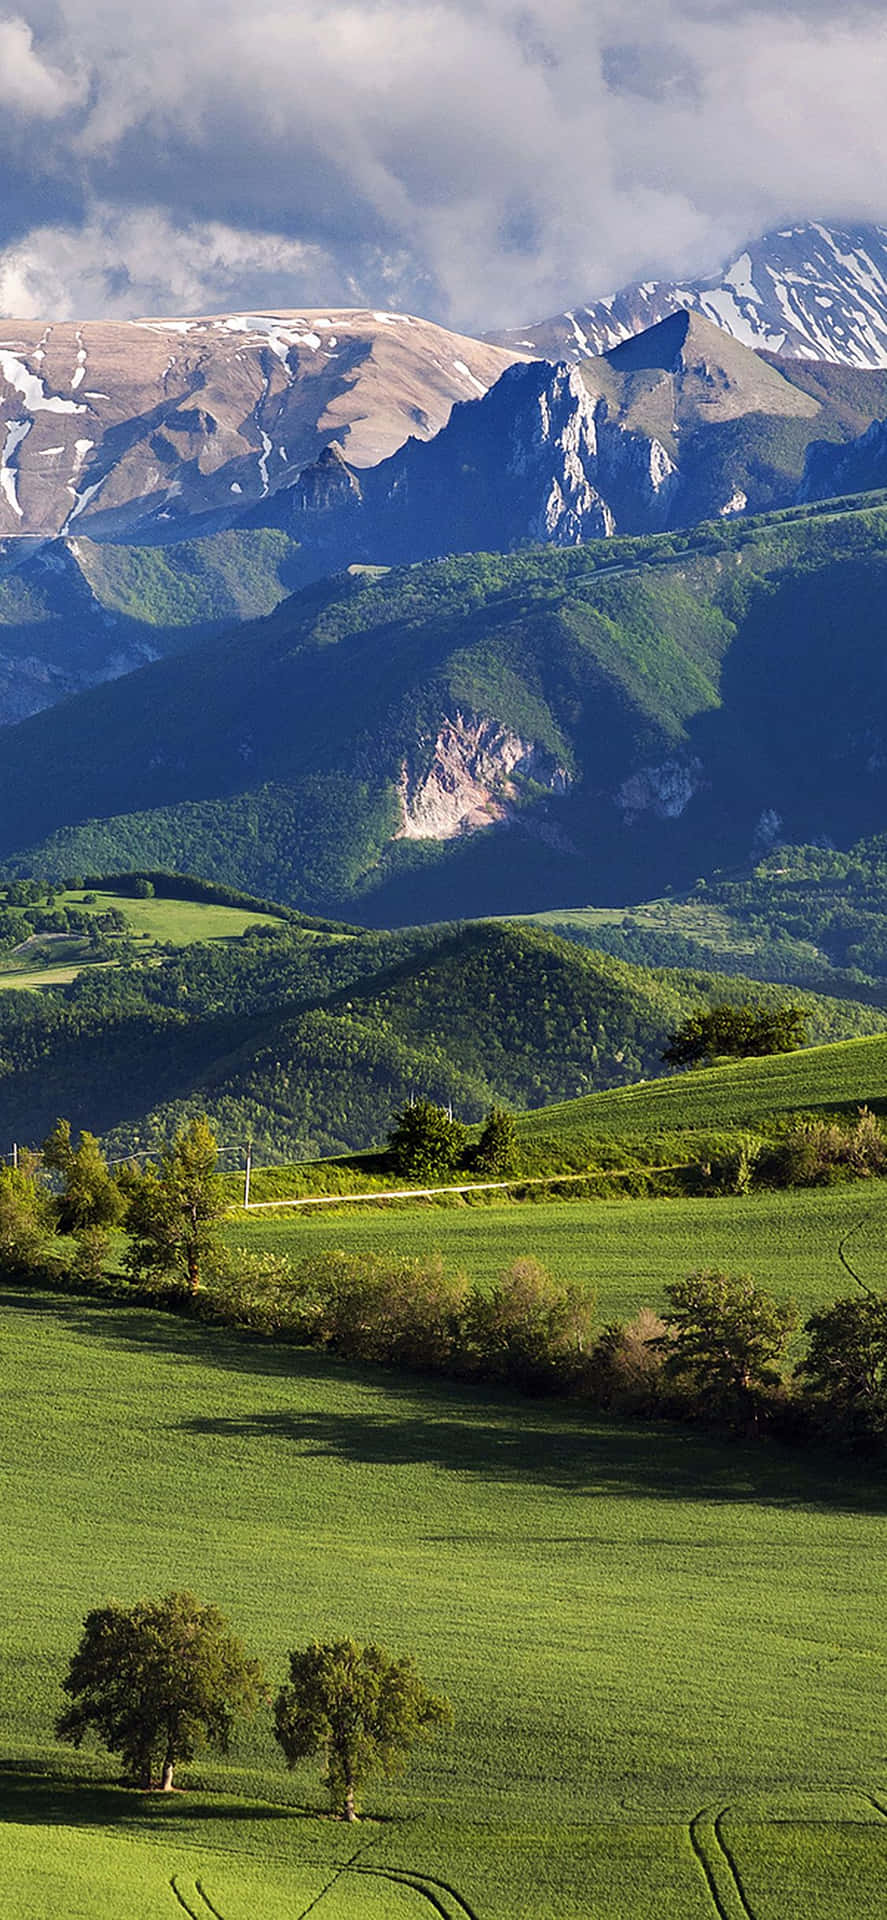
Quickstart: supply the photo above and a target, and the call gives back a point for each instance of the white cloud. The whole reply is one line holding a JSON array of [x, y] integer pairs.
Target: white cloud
[[31, 87], [486, 161]]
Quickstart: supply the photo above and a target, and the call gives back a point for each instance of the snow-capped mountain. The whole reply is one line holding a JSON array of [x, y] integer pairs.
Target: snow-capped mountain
[[142, 427], [811, 292]]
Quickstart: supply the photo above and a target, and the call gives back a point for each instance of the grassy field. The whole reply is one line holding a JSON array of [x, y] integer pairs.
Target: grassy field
[[740, 1094], [667, 1657], [692, 916], [52, 960], [625, 1251]]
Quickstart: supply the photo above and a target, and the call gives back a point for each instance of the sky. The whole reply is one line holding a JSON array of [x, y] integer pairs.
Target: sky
[[482, 163]]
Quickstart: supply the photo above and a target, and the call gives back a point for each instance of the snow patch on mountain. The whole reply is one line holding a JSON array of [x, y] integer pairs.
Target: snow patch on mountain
[[811, 292]]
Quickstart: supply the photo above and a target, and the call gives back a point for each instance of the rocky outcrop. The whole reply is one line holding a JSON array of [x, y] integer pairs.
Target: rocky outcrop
[[472, 779], [628, 443], [665, 791]]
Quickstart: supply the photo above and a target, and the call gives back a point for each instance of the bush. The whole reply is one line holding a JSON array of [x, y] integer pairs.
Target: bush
[[627, 1365], [816, 1152], [530, 1331], [395, 1312], [425, 1141], [496, 1150]]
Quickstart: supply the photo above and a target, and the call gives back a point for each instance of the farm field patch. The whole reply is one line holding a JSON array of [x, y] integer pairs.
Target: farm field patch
[[51, 960], [635, 1624]]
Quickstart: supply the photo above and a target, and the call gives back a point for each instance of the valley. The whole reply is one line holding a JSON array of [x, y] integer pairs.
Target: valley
[[443, 1098]]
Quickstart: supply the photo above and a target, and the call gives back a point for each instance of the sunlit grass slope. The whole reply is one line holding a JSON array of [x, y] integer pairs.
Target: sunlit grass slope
[[635, 1627]]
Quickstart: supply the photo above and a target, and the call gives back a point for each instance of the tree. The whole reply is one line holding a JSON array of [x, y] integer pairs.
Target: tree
[[425, 1141], [528, 1329], [90, 1196], [171, 1209], [725, 1335], [357, 1706], [846, 1361], [25, 1212], [738, 1031], [157, 1681], [496, 1149]]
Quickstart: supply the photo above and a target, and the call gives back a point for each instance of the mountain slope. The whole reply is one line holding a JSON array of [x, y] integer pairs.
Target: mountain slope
[[810, 292], [675, 425], [120, 427], [74, 613], [490, 734]]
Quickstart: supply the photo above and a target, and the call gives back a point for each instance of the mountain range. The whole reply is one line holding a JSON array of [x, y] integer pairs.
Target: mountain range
[[808, 292], [677, 424], [138, 426]]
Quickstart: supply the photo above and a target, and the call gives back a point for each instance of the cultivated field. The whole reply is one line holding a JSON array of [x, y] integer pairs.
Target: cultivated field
[[51, 960], [626, 1251], [667, 1657]]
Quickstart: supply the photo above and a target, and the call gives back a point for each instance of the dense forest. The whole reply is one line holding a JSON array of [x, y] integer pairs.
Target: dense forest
[[676, 695]]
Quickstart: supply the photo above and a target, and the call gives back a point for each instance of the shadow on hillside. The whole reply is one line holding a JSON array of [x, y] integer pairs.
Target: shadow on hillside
[[482, 1431], [35, 1795]]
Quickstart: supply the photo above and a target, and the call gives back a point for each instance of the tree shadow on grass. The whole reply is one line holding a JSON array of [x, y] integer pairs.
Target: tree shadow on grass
[[513, 1442], [37, 1795], [483, 1431]]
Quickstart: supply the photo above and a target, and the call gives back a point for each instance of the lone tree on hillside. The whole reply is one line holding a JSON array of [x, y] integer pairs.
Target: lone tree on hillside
[[496, 1149], [357, 1706], [171, 1209], [157, 1681], [725, 1335], [737, 1032], [425, 1141]]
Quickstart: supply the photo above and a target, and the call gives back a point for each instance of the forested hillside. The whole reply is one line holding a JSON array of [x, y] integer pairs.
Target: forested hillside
[[308, 1040], [493, 733]]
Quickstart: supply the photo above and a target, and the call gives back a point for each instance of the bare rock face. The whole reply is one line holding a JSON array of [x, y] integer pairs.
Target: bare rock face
[[136, 427], [665, 791], [473, 779]]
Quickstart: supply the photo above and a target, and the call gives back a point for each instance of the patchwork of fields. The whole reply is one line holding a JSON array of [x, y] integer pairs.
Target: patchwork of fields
[[667, 1656]]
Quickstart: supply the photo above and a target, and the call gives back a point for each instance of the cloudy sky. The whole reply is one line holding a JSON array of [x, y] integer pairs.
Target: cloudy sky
[[480, 162]]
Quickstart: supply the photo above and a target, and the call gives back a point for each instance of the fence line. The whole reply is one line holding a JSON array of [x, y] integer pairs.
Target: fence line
[[473, 1186]]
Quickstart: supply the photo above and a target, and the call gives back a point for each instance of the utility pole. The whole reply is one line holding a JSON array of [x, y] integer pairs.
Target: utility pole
[[15, 1153], [247, 1172]]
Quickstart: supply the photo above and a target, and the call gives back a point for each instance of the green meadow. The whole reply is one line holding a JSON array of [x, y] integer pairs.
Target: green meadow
[[625, 1251], [51, 960], [667, 1656]]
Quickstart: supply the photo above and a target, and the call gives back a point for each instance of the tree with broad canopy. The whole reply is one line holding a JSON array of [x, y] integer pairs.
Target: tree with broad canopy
[[359, 1707], [157, 1681]]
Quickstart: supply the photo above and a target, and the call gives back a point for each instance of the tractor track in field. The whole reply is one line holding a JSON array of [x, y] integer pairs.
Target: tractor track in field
[[427, 1887], [842, 1251], [877, 1804], [718, 1865], [179, 1896], [207, 1901]]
